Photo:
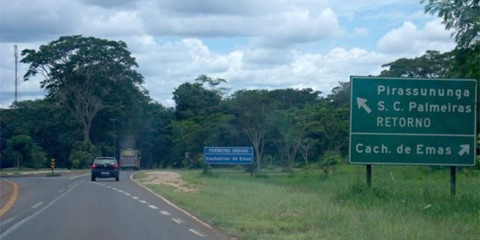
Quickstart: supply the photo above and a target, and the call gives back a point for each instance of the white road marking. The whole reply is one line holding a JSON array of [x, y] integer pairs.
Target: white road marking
[[152, 206], [197, 233], [114, 189], [37, 205], [177, 220], [120, 191], [165, 213], [61, 190], [127, 194], [7, 221], [170, 203], [75, 177], [136, 198], [143, 201], [25, 220], [72, 184]]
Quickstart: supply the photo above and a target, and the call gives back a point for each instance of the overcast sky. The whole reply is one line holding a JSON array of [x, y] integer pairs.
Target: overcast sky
[[266, 44]]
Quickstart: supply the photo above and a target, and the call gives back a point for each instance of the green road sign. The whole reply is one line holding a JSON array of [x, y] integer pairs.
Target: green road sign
[[412, 121]]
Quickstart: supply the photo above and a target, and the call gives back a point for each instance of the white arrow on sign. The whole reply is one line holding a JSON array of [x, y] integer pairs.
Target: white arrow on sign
[[362, 103], [465, 148]]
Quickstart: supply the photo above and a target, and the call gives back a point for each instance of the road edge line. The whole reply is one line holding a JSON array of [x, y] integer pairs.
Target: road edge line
[[170, 203], [12, 199]]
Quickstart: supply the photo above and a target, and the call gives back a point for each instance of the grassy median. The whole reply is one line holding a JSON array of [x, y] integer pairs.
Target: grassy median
[[403, 203]]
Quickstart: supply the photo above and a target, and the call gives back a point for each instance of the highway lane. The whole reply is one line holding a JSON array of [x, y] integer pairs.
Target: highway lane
[[64, 208], [34, 193]]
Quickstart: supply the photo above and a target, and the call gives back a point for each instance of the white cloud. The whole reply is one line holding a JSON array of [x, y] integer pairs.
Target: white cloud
[[362, 32], [100, 22], [172, 63], [23, 21], [262, 44], [410, 40], [280, 24], [299, 26]]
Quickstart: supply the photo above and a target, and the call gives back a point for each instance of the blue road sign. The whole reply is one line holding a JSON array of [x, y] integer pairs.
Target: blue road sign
[[228, 155]]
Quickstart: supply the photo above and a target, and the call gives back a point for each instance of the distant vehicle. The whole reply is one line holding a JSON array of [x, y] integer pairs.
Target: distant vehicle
[[130, 158], [105, 167]]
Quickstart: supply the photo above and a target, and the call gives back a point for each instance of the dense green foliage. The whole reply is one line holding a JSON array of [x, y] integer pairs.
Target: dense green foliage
[[279, 123], [463, 16], [86, 75]]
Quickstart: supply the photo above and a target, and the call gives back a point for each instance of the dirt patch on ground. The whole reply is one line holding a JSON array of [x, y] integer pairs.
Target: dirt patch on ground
[[172, 179]]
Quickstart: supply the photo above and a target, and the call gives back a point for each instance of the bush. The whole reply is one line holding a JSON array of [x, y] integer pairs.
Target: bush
[[24, 152], [82, 154], [329, 161]]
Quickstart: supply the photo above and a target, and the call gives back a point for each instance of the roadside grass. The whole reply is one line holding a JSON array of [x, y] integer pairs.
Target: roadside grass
[[15, 172], [403, 203]]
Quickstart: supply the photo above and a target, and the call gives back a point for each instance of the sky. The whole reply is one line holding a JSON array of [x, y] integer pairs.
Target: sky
[[253, 44]]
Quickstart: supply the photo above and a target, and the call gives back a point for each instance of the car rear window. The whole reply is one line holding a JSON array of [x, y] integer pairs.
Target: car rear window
[[105, 161]]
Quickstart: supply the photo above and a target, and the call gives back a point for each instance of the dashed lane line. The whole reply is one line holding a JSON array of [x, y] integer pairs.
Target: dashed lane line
[[170, 203], [79, 176], [196, 232], [37, 205], [153, 207], [7, 221], [165, 213], [177, 220]]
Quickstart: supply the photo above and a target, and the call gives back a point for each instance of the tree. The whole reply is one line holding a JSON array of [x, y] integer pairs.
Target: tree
[[154, 135], [293, 126], [86, 74], [432, 64], [340, 95], [194, 100], [251, 110], [213, 83], [24, 152], [288, 98], [305, 148], [461, 15], [82, 154]]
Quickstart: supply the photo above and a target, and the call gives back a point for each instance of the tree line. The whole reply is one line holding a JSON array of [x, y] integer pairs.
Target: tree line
[[96, 104]]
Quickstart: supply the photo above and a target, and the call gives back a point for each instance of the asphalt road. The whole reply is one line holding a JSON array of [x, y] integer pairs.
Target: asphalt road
[[76, 208]]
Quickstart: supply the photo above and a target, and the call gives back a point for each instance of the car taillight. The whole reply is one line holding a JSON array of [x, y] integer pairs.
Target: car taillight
[[94, 166], [115, 166]]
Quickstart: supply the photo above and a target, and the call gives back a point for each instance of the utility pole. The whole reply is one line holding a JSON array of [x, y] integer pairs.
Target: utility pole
[[16, 70], [114, 141]]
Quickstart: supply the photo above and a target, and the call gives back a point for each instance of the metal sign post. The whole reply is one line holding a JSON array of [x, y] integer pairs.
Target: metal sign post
[[453, 180], [369, 175]]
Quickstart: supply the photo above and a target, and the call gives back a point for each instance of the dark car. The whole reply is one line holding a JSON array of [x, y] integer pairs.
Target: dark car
[[105, 167]]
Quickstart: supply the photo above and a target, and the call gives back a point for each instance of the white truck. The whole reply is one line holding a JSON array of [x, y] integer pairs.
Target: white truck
[[130, 158]]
